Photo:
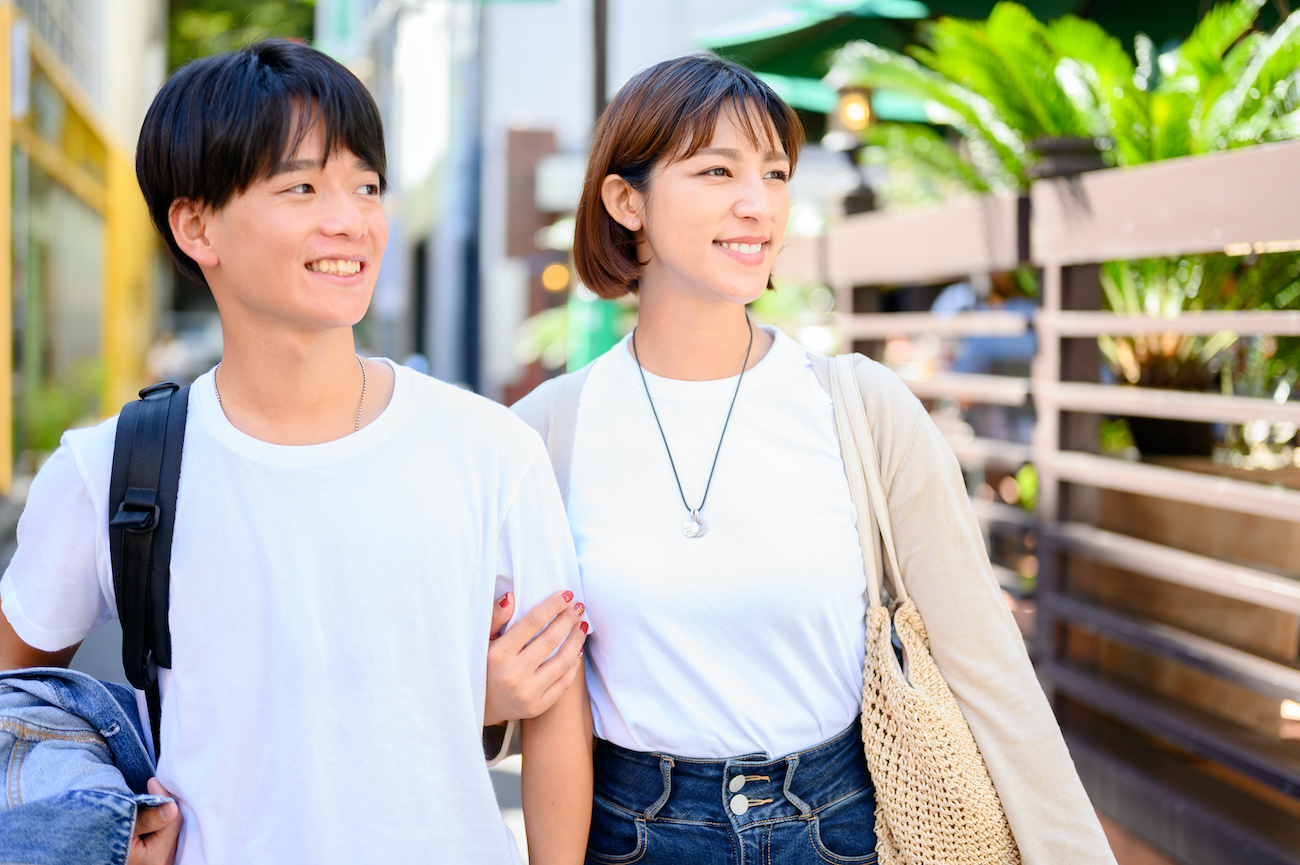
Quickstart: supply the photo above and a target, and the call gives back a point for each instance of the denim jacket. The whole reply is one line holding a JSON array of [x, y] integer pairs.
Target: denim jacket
[[75, 766]]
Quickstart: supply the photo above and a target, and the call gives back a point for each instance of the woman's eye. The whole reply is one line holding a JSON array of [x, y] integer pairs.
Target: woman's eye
[[303, 188], [716, 172], [368, 189], [779, 174]]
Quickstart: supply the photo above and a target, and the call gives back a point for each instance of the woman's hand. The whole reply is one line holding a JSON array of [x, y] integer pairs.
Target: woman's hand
[[523, 680]]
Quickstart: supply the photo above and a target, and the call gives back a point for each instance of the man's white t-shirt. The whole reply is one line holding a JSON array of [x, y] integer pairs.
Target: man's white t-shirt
[[749, 638], [330, 608]]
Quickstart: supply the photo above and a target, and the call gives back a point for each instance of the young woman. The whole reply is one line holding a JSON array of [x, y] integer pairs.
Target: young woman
[[715, 531]]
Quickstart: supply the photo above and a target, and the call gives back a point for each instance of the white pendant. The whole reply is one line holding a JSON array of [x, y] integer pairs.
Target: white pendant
[[695, 527]]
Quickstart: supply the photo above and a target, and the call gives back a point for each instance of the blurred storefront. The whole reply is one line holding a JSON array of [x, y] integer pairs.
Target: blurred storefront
[[78, 256]]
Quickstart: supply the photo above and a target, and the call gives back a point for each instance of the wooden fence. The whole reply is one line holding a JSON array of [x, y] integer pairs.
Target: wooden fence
[[1167, 597]]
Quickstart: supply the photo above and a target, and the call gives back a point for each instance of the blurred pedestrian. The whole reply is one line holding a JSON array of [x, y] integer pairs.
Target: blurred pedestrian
[[168, 359], [716, 534]]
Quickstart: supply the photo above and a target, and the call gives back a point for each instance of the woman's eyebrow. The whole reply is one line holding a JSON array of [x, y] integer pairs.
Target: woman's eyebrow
[[733, 153]]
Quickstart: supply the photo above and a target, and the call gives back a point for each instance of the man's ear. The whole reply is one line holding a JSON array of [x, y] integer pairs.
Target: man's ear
[[623, 202], [190, 224]]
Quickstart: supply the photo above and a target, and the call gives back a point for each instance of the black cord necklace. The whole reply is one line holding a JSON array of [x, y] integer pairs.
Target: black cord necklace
[[694, 527]]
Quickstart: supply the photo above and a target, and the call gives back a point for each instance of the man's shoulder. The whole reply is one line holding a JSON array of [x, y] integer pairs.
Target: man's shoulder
[[90, 449], [478, 418]]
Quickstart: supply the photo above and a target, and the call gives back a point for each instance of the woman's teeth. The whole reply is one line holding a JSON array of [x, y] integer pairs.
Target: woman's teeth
[[745, 248], [335, 266]]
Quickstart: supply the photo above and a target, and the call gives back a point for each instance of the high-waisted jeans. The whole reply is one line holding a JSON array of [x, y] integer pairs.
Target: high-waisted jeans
[[813, 806]]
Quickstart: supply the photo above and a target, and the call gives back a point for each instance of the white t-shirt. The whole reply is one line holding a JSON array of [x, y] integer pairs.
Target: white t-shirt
[[330, 607], [749, 638]]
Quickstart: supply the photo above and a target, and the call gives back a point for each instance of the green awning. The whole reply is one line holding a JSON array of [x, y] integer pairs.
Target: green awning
[[811, 94], [808, 94], [797, 39]]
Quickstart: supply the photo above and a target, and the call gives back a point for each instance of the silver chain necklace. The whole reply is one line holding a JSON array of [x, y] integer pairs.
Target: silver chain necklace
[[695, 527], [360, 405]]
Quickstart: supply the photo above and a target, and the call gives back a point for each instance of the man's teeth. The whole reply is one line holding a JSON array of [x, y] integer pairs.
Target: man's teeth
[[746, 248], [336, 266]]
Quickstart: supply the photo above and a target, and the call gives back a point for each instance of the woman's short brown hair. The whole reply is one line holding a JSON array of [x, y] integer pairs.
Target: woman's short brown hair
[[665, 113]]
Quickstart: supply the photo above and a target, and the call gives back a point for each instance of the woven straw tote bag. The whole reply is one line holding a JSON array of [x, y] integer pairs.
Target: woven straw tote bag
[[935, 801]]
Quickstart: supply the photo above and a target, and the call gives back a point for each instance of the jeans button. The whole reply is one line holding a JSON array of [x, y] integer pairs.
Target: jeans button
[[736, 784], [739, 804]]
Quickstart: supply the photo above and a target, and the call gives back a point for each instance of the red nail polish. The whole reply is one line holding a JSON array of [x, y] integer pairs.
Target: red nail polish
[[568, 596], [505, 599], [583, 625], [579, 608]]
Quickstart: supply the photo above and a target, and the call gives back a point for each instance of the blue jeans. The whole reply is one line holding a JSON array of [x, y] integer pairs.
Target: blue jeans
[[814, 806]]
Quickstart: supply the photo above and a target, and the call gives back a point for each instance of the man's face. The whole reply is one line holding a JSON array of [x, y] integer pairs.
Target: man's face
[[301, 248]]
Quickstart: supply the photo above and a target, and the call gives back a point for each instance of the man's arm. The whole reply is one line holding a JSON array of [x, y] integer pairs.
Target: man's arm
[[557, 779], [157, 830], [15, 654]]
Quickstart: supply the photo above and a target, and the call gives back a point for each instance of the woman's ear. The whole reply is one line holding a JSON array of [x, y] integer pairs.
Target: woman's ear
[[623, 202], [190, 224]]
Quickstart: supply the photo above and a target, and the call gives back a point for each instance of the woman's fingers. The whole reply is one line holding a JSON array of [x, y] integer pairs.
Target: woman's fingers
[[501, 612], [565, 625], [531, 623], [562, 669]]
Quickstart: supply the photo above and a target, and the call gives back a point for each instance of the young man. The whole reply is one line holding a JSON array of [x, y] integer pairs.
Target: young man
[[342, 526]]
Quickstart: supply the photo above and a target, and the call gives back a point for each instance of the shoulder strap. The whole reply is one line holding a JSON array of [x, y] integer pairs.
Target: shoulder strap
[[862, 467], [142, 504], [562, 424]]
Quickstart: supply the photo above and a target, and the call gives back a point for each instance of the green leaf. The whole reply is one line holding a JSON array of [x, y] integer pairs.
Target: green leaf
[[1275, 60], [1223, 25], [928, 151], [863, 64]]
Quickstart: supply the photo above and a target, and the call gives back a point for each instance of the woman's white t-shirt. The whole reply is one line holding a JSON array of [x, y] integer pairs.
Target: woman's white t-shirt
[[750, 638]]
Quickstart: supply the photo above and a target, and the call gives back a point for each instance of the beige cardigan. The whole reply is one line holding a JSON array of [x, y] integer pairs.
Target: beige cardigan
[[973, 638]]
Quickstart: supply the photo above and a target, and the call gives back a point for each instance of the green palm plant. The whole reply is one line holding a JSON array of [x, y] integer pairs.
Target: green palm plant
[[1006, 83]]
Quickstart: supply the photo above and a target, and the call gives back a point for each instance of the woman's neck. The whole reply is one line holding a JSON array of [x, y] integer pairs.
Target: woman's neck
[[697, 343]]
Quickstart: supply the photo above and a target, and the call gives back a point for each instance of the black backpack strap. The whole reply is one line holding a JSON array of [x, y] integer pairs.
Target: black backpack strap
[[142, 508]]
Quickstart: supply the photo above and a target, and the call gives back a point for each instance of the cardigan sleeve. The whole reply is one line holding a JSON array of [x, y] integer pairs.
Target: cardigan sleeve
[[973, 638]]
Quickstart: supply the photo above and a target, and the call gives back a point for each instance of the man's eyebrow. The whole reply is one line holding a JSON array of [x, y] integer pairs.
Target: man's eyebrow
[[309, 164], [295, 165]]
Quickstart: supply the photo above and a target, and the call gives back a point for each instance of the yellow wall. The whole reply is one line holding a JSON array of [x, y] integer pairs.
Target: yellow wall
[[102, 174], [129, 291]]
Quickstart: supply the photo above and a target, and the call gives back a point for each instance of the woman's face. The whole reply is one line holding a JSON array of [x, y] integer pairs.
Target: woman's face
[[712, 224]]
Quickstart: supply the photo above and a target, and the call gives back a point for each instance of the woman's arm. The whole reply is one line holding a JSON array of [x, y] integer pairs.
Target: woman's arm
[[557, 780]]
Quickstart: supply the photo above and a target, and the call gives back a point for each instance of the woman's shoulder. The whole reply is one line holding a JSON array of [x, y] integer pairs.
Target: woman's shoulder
[[552, 399], [884, 394]]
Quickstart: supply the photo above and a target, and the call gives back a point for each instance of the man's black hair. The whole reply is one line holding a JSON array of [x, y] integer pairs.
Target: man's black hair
[[224, 122]]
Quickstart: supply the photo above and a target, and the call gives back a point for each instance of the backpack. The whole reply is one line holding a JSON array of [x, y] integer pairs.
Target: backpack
[[142, 507]]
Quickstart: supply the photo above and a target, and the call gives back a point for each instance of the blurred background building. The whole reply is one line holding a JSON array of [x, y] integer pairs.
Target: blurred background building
[[79, 268]]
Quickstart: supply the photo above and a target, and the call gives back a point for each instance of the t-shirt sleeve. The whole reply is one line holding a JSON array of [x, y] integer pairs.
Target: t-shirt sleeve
[[535, 556], [51, 592]]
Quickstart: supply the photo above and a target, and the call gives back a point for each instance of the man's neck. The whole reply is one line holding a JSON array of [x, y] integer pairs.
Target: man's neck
[[299, 391]]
